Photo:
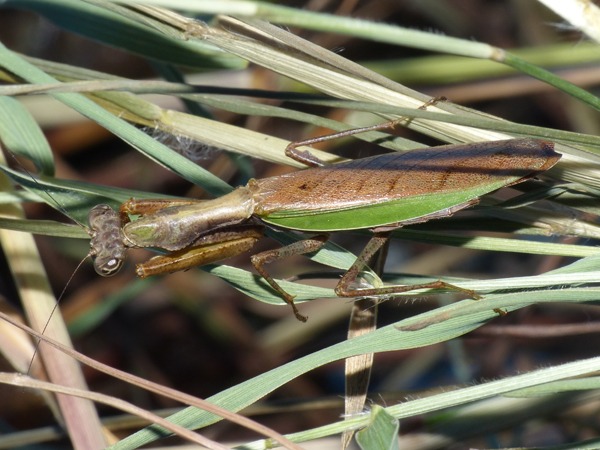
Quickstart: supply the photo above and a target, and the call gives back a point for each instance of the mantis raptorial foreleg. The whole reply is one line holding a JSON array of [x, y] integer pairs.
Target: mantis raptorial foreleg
[[212, 247], [109, 243]]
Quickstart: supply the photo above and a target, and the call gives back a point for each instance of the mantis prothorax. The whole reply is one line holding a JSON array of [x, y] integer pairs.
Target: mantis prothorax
[[380, 193]]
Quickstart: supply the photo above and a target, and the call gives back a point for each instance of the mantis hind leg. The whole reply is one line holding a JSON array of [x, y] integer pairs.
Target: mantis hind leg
[[297, 248], [344, 287], [307, 158]]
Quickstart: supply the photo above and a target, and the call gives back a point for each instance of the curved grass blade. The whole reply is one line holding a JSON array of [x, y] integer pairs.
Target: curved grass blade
[[425, 329], [122, 32], [21, 135]]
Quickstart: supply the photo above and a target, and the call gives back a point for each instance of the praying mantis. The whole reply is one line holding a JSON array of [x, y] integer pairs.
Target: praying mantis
[[380, 193]]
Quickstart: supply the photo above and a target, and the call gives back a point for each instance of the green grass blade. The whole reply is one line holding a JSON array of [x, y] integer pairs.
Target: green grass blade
[[425, 329], [137, 138], [22, 136], [117, 30], [381, 433]]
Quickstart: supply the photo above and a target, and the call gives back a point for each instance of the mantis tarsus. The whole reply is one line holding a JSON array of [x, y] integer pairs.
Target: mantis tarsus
[[381, 193]]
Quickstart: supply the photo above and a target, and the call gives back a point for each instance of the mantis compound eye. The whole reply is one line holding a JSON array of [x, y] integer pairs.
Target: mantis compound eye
[[106, 245], [108, 267]]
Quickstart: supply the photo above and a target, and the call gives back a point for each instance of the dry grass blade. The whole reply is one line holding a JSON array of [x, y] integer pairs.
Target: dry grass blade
[[350, 83], [21, 380], [79, 415], [155, 387], [357, 369]]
